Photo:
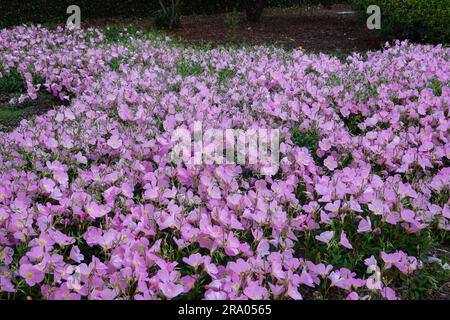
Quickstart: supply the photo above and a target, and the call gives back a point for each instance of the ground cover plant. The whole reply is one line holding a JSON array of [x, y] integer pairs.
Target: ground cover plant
[[92, 206]]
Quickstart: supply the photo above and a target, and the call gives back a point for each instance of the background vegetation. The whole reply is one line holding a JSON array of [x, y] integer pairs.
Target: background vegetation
[[16, 12], [417, 20]]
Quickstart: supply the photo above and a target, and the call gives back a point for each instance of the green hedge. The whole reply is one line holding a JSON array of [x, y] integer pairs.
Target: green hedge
[[417, 20], [13, 12]]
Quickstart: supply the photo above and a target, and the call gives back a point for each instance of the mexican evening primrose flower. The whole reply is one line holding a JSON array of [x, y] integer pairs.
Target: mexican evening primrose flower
[[93, 205], [31, 274]]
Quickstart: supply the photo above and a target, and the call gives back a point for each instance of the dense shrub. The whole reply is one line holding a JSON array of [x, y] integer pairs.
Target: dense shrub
[[413, 19]]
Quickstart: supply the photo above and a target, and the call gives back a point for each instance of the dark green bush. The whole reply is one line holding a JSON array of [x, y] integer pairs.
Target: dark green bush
[[417, 20]]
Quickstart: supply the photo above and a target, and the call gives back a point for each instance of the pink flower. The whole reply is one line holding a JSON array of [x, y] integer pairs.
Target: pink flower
[[330, 163], [354, 205], [408, 215], [325, 236], [255, 291], [352, 296], [373, 283], [80, 158], [114, 142], [389, 293], [194, 260], [232, 245], [333, 207], [95, 210], [365, 225], [48, 185], [377, 207], [170, 289], [263, 248], [305, 278], [320, 268], [76, 255], [215, 295], [214, 193], [293, 293], [210, 268], [105, 294], [31, 274], [344, 241], [370, 261]]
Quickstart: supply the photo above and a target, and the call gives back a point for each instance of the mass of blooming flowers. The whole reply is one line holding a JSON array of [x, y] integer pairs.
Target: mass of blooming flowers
[[92, 207]]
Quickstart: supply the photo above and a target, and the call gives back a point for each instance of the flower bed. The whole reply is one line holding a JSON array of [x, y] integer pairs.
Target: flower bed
[[91, 205]]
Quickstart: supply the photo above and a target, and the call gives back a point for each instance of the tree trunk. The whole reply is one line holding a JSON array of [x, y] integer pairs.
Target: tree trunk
[[254, 9]]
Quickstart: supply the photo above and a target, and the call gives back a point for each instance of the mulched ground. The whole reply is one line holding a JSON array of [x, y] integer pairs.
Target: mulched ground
[[310, 28], [314, 29]]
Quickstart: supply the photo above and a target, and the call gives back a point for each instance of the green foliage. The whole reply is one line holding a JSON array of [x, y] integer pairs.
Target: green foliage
[[427, 281], [185, 69], [226, 74], [416, 20], [308, 139], [436, 86], [115, 64], [232, 22], [12, 114], [12, 82], [389, 238]]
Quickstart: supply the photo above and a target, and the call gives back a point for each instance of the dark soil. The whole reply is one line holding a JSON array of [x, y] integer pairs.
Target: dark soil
[[310, 28]]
